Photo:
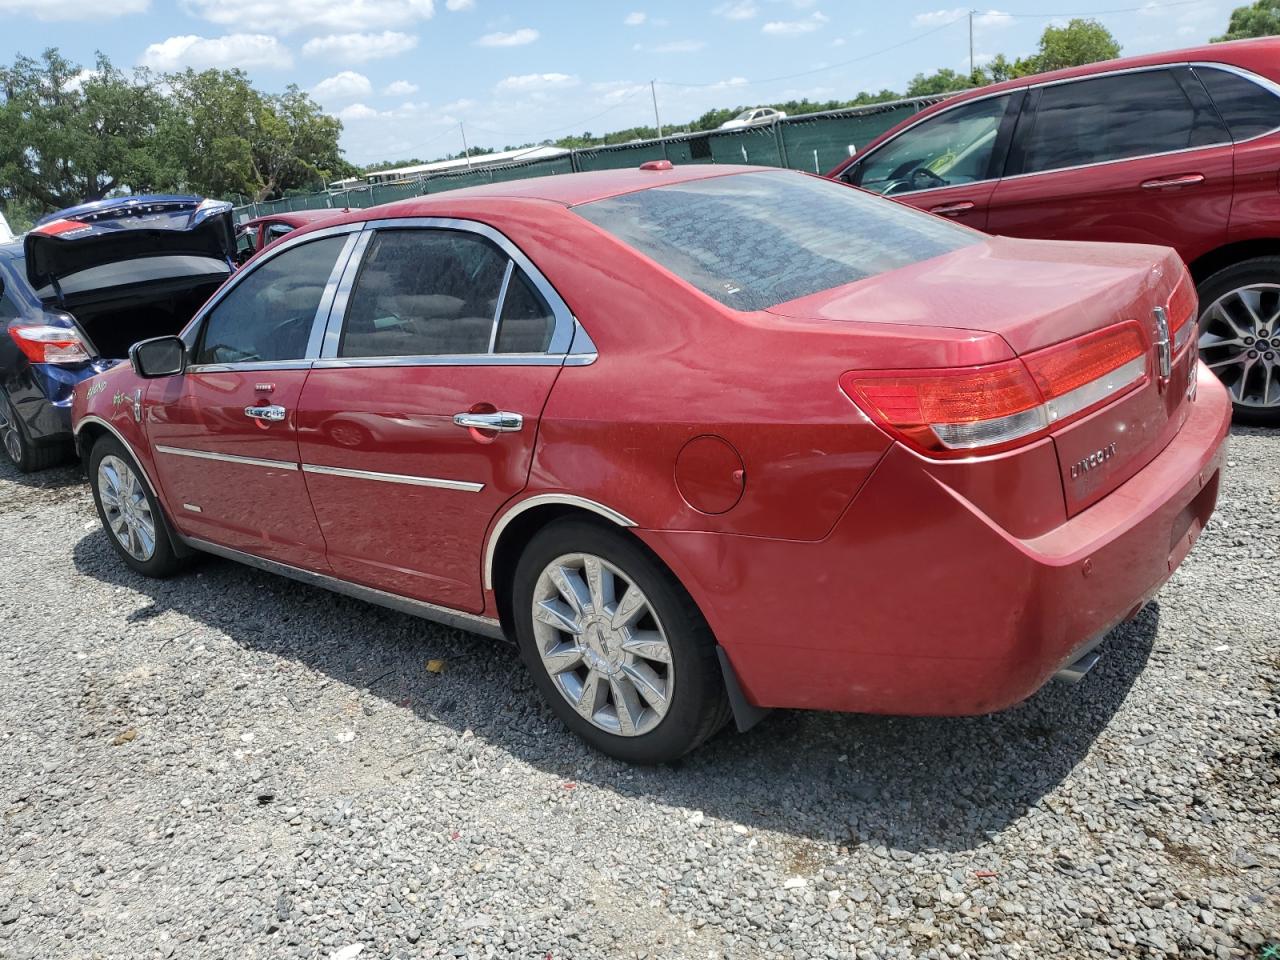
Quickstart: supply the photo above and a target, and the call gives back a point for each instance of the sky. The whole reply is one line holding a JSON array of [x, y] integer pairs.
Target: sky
[[403, 75]]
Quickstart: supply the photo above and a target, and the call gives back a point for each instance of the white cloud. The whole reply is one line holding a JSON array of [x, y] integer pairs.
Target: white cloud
[[993, 18], [456, 5], [516, 38], [400, 88], [677, 46], [360, 47], [838, 42], [283, 16], [201, 53], [537, 81], [76, 83], [357, 111], [794, 28], [737, 10], [936, 18], [72, 9], [635, 18], [346, 85]]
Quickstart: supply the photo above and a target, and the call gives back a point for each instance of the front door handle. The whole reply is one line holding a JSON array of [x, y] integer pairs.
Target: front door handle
[[502, 421], [273, 413], [1186, 180], [952, 209]]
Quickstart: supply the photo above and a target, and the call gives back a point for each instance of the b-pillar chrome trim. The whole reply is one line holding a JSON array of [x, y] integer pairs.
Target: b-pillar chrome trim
[[418, 608], [540, 500]]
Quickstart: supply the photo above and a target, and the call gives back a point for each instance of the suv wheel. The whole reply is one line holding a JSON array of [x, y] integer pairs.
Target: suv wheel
[[1240, 336], [132, 518], [615, 644]]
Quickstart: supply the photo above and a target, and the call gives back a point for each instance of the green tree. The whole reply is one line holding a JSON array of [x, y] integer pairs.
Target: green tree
[[68, 135], [1261, 19], [945, 80], [1079, 42]]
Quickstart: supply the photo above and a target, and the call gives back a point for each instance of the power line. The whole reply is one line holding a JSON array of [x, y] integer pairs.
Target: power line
[[1102, 13]]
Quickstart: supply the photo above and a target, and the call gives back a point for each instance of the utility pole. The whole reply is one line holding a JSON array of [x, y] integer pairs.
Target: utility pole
[[971, 13], [466, 152], [653, 90]]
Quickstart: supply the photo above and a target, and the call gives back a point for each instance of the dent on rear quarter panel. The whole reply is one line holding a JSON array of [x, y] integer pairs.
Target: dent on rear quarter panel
[[109, 397]]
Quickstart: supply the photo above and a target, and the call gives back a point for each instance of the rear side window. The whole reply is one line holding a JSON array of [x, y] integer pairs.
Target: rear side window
[[1248, 108], [1113, 118], [268, 315], [754, 240], [436, 292]]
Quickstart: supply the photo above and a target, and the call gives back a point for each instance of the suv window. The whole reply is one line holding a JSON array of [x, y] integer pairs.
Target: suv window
[[527, 321], [1115, 118], [269, 314], [424, 293], [953, 147], [1248, 108]]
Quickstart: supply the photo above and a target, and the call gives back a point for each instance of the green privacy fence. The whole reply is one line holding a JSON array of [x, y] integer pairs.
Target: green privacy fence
[[811, 141]]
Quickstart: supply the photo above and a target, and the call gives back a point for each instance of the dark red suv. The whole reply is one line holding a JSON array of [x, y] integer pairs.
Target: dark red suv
[[1179, 148]]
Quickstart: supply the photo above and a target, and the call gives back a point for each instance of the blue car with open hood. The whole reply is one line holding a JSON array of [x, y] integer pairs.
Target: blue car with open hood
[[82, 287]]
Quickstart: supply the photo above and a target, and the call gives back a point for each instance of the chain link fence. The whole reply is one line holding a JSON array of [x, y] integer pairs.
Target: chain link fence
[[809, 141]]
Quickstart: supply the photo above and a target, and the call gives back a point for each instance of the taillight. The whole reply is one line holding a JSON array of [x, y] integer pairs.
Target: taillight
[[44, 343], [953, 412], [1183, 307]]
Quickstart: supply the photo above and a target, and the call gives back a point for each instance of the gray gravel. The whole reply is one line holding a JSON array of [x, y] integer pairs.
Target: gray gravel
[[231, 765]]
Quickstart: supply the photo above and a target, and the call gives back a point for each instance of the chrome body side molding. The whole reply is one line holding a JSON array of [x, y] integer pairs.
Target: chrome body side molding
[[540, 500], [471, 622], [464, 485], [226, 458]]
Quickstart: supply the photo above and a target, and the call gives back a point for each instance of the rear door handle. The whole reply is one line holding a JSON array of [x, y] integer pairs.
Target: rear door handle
[[1186, 180], [952, 209], [502, 421], [272, 413]]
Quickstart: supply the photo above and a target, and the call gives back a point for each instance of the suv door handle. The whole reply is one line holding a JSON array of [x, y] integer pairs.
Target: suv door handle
[[273, 413], [502, 421], [1186, 180], [952, 209]]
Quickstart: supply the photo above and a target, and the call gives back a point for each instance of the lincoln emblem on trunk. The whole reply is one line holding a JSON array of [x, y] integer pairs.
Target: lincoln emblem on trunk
[[1095, 459]]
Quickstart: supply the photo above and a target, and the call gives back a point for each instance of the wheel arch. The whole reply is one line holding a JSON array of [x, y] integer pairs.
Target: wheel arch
[[1206, 265]]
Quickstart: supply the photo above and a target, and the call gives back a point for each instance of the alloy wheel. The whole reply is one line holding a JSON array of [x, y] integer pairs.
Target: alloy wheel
[[126, 508], [1240, 343], [9, 436], [602, 644]]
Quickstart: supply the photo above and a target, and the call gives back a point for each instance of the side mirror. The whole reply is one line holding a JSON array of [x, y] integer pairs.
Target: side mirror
[[158, 357]]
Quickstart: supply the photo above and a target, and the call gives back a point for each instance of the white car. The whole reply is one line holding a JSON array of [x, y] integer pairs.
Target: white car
[[753, 118]]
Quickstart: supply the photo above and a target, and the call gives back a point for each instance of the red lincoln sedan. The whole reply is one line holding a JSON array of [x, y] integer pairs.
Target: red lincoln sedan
[[702, 441], [1174, 148]]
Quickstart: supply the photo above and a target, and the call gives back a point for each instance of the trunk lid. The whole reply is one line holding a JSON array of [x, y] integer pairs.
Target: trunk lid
[[126, 228], [1039, 294]]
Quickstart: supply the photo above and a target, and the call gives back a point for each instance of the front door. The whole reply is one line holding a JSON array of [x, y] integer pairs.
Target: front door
[[420, 421], [225, 432], [1137, 157]]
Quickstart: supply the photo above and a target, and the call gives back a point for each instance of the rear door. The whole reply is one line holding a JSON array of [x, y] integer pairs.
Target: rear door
[[225, 432], [1135, 157], [949, 163], [419, 420]]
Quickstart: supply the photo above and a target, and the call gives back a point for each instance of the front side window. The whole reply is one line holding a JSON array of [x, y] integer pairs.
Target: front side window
[[755, 240], [268, 315], [424, 292], [1249, 110], [1113, 118], [955, 146]]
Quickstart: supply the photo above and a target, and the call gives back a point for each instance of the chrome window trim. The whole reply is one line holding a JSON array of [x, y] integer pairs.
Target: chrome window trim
[[485, 626], [446, 360], [562, 335], [338, 308], [226, 457], [190, 332], [502, 302], [249, 365], [465, 486], [568, 499], [1270, 86]]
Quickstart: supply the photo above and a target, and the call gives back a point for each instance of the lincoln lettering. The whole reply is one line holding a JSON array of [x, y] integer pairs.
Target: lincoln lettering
[[1094, 459]]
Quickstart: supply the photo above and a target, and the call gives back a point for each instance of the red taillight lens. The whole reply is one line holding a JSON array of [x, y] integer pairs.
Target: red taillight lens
[[1184, 305], [955, 412], [44, 343]]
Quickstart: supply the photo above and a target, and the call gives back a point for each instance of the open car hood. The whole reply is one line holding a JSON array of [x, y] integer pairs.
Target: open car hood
[[127, 228]]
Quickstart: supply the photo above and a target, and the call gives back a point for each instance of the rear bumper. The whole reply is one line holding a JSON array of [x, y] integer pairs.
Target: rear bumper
[[919, 603]]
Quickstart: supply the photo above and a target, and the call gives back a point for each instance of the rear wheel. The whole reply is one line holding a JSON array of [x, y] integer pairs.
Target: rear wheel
[[24, 454], [129, 512], [615, 644], [1240, 336]]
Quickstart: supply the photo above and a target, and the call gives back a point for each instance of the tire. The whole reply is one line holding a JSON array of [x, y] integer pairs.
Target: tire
[[116, 481], [628, 682], [24, 454], [1240, 309]]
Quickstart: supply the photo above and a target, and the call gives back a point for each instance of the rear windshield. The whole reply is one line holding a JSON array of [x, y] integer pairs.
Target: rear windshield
[[755, 240]]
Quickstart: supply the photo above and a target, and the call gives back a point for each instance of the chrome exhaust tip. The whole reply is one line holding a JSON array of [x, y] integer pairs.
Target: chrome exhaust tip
[[1075, 672]]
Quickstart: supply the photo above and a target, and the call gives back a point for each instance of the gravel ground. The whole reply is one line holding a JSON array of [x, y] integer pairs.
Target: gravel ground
[[231, 765]]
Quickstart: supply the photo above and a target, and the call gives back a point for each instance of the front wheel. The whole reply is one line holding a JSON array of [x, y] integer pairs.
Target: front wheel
[[1240, 336], [615, 644], [134, 522]]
